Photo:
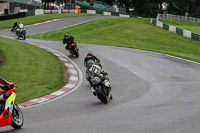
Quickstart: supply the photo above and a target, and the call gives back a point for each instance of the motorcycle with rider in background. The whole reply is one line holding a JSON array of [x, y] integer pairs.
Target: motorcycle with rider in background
[[71, 45]]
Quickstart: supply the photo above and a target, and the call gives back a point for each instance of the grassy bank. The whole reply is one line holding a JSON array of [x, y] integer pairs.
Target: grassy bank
[[35, 71], [129, 32], [190, 26], [39, 18]]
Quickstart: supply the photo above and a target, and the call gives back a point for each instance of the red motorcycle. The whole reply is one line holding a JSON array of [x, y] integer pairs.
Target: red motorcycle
[[10, 113]]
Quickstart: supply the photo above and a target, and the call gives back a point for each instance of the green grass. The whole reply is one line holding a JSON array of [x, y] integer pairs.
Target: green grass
[[34, 71], [132, 33], [40, 18], [190, 26]]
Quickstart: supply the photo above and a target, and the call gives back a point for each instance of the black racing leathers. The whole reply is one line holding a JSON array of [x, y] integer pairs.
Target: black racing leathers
[[68, 40]]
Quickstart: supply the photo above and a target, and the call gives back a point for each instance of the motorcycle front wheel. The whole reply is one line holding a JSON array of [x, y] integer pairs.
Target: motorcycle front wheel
[[23, 36], [17, 119], [101, 94]]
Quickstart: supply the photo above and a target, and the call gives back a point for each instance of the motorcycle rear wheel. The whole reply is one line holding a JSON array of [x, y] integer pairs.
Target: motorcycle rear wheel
[[76, 54], [17, 119]]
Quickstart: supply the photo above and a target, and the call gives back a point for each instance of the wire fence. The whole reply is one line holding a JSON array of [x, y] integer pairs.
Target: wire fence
[[177, 17]]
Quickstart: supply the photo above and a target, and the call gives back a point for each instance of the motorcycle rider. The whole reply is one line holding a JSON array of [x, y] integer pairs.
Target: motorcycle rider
[[15, 26], [89, 60], [19, 27], [69, 40], [90, 57], [8, 89]]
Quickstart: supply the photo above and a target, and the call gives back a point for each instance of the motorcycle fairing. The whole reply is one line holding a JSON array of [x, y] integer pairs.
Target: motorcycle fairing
[[5, 120]]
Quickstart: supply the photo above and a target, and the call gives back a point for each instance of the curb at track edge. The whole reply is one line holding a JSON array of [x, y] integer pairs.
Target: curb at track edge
[[74, 79]]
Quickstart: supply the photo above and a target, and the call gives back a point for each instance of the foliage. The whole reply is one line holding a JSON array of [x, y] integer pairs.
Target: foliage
[[150, 8]]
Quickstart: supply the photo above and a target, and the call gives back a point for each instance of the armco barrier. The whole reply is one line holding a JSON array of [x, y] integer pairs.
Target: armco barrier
[[174, 29], [30, 12], [179, 31], [54, 11], [165, 26], [196, 36], [13, 16], [47, 11], [39, 12], [91, 11]]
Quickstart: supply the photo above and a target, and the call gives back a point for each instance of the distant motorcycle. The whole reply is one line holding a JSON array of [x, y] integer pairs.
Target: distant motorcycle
[[21, 33], [10, 113], [100, 83], [73, 49]]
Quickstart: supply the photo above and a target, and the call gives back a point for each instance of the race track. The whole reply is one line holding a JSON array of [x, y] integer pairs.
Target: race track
[[153, 93]]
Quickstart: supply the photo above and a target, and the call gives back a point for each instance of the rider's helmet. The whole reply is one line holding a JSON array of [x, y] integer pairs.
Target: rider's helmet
[[66, 36], [89, 54]]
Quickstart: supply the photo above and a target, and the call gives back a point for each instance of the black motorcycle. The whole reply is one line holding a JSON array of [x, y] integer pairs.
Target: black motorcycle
[[21, 33], [99, 82], [73, 49]]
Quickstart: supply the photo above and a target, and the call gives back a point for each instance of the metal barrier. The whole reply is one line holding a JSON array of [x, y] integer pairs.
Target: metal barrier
[[12, 16], [176, 17], [174, 29]]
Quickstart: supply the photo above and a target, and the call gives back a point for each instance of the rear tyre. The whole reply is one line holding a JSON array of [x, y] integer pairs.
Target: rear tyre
[[76, 54], [17, 119]]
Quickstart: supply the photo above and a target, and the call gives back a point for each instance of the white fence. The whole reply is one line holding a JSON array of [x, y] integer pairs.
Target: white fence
[[177, 17]]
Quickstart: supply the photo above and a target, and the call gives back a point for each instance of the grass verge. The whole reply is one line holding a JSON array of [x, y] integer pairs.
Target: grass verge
[[129, 32], [187, 25], [33, 70], [40, 18]]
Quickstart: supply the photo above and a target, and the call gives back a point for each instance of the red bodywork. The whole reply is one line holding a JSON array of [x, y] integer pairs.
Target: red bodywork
[[6, 120]]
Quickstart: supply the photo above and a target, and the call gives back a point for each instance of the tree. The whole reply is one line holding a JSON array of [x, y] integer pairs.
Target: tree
[[180, 7]]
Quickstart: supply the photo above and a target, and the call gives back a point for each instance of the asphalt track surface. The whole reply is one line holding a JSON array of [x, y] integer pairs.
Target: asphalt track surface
[[153, 93]]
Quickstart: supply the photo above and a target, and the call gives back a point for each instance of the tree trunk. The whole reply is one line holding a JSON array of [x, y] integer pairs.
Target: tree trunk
[[161, 8], [170, 7]]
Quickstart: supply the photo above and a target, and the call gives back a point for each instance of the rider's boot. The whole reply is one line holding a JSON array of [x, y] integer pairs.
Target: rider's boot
[[93, 91], [109, 93]]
